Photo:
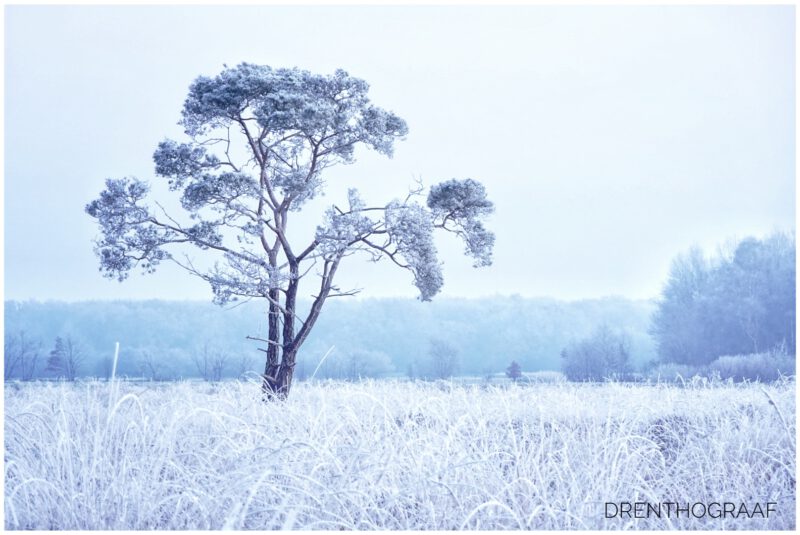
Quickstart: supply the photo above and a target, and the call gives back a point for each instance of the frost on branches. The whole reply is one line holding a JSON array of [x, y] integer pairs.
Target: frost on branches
[[257, 143]]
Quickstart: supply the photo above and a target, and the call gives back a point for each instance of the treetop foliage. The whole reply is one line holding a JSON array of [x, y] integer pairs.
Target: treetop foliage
[[332, 110], [291, 125], [464, 203]]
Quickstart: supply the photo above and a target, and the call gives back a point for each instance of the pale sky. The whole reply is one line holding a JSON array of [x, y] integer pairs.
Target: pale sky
[[609, 138]]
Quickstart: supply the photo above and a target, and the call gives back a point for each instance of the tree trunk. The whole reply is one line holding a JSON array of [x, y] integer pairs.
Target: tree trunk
[[272, 364], [278, 377], [276, 387]]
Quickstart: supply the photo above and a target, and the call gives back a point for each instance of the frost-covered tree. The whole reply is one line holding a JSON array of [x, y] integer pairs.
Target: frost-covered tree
[[150, 367], [210, 363], [258, 142]]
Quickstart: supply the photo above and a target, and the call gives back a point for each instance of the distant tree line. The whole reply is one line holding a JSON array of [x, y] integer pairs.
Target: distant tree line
[[165, 340], [730, 314]]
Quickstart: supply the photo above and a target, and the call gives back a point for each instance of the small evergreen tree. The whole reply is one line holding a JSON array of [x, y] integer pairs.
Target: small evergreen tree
[[514, 371], [65, 359], [55, 362]]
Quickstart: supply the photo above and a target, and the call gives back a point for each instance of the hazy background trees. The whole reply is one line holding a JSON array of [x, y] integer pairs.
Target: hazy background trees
[[381, 337], [443, 359], [211, 362], [738, 301], [21, 356], [151, 366], [603, 355]]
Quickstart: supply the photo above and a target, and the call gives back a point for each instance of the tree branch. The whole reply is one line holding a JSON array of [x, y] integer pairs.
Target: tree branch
[[385, 251]]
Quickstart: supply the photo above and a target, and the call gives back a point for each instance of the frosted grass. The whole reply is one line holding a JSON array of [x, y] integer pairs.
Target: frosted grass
[[392, 455]]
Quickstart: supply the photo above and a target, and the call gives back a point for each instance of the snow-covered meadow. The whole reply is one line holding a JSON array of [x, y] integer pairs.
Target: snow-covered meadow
[[392, 455]]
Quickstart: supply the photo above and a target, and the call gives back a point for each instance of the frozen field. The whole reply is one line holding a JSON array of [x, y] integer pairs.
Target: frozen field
[[392, 455]]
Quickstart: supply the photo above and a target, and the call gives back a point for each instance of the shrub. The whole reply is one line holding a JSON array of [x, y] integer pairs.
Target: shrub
[[767, 366]]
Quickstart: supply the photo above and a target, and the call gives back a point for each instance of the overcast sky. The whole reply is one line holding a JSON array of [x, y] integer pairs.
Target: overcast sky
[[610, 139]]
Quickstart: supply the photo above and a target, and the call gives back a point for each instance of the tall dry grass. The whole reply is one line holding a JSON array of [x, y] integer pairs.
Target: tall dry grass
[[392, 455]]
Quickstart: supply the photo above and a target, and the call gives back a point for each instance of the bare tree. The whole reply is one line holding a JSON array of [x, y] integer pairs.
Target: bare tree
[[443, 359], [218, 364], [258, 142], [150, 367], [11, 357], [210, 363], [21, 356]]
